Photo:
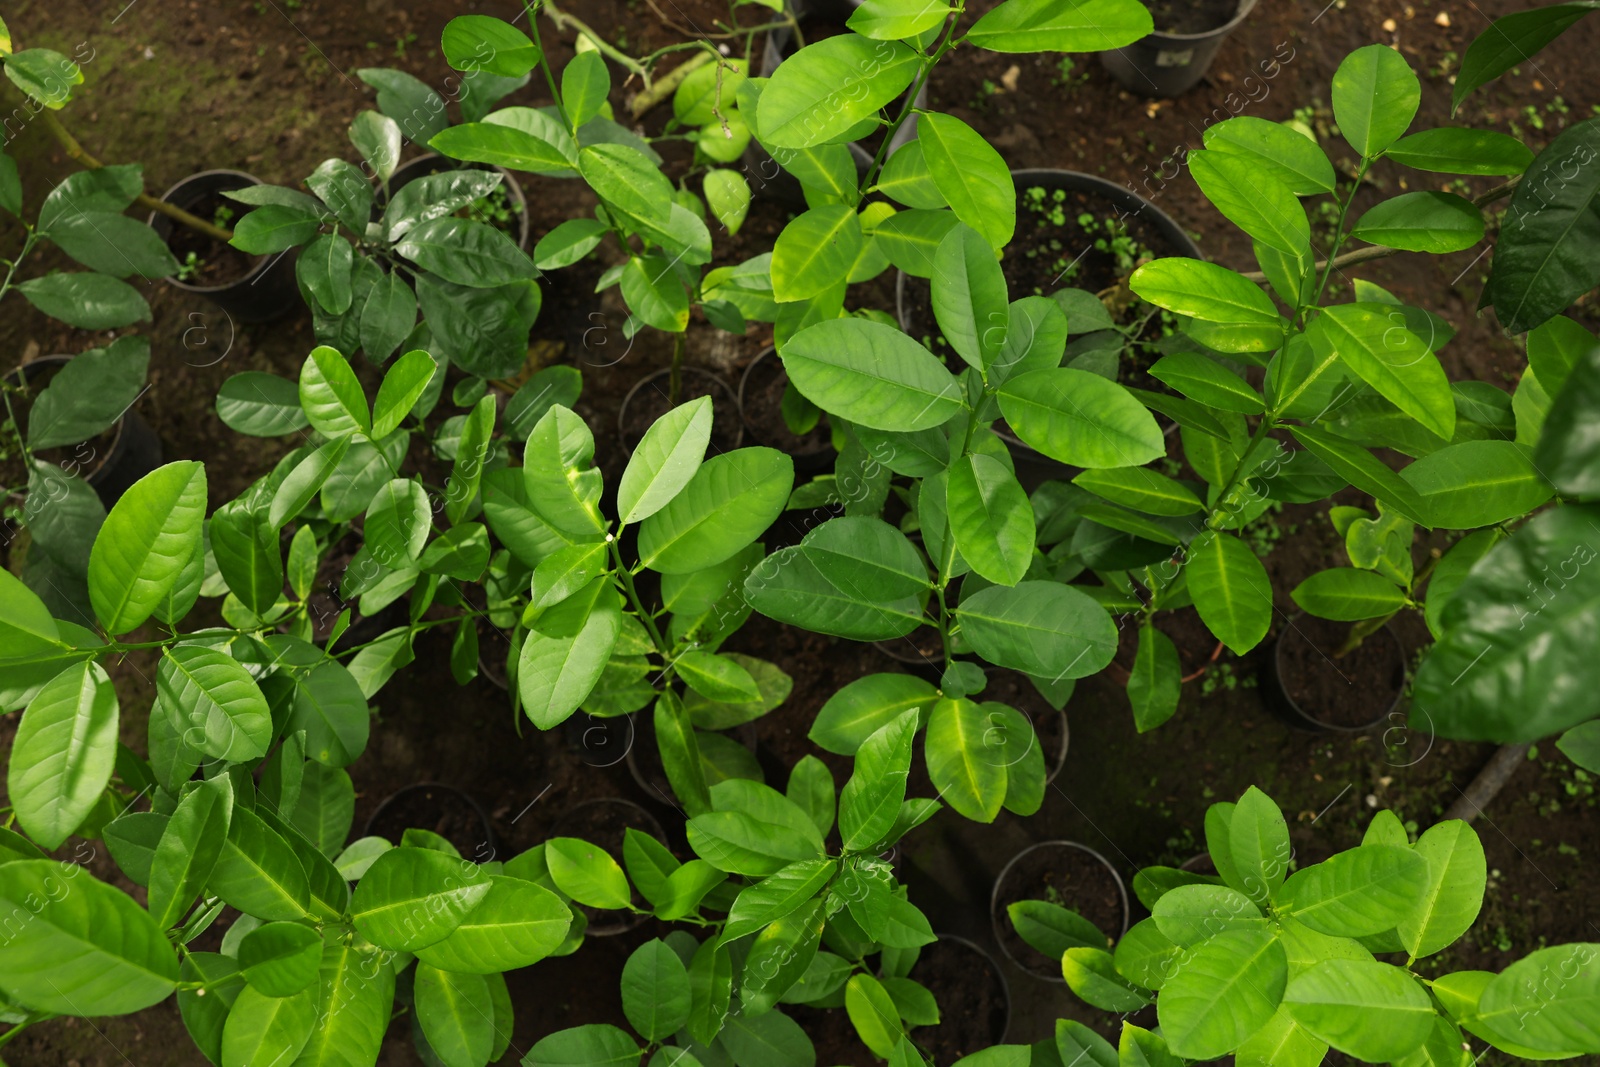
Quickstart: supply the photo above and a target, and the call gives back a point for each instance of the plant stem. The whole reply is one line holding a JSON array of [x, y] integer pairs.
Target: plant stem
[[1338, 234], [564, 20], [177, 214], [1362, 255], [921, 79], [1268, 423], [549, 75], [633, 598], [655, 92], [675, 376]]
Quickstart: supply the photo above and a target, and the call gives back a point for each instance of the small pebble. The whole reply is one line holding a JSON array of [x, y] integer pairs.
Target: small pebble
[[1372, 800], [1442, 19], [1389, 25]]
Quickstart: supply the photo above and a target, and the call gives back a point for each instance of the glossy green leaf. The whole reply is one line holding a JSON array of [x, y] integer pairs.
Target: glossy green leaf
[[483, 43], [873, 1014], [1457, 875], [1458, 150], [1080, 419], [964, 763], [1231, 590], [1092, 976], [280, 959], [814, 251], [1204, 290], [1221, 992], [1375, 97], [854, 577], [728, 502], [144, 544], [1253, 200], [190, 844], [1477, 483], [331, 708], [970, 174], [456, 1015], [1545, 1001], [1043, 629], [969, 296], [990, 518], [1369, 1010], [872, 374], [1282, 1042], [865, 705], [332, 396], [411, 898], [1423, 221], [664, 461], [1365, 890], [655, 990], [516, 924], [213, 699], [1280, 150], [1258, 837], [258, 872], [63, 753], [267, 1029], [1155, 683], [1207, 381], [824, 90], [586, 873], [592, 1045], [1346, 594], [1511, 41], [1042, 26], [563, 657]]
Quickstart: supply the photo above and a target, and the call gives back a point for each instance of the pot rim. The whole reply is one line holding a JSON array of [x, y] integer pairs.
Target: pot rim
[[994, 898], [263, 263], [483, 816], [1245, 8], [1318, 723], [687, 368], [744, 380], [1000, 972]]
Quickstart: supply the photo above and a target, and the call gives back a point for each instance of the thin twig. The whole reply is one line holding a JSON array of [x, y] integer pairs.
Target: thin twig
[[177, 214], [668, 83], [1362, 255]]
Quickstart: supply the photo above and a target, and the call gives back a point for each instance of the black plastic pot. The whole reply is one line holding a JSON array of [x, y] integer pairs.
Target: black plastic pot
[[767, 176], [269, 291], [1033, 467], [1276, 690], [696, 381], [814, 452], [443, 809], [1170, 64], [604, 822], [1004, 892], [434, 163], [135, 449]]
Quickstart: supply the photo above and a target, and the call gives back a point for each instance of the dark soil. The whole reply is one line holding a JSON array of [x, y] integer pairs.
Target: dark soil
[[605, 822], [217, 263], [761, 399], [922, 650], [1352, 691], [448, 812], [971, 993], [1191, 16], [1058, 874], [654, 399]]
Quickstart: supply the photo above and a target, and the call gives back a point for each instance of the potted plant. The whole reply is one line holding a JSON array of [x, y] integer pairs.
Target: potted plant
[[249, 288], [1278, 967], [1052, 896]]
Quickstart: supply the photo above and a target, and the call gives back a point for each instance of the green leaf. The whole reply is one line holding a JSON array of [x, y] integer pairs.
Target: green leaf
[[1189, 914], [1369, 1010], [411, 898], [399, 520], [872, 374], [1206, 381], [655, 294], [483, 43], [871, 799], [585, 84], [267, 1029], [586, 873], [1281, 151], [332, 396], [655, 991], [873, 1014], [1080, 419], [964, 764], [1365, 890], [1080, 1046], [1204, 290], [716, 677], [1231, 590], [768, 1040], [1141, 489], [969, 297], [1422, 222], [820, 93], [1092, 976], [86, 300], [456, 1015], [970, 174], [1581, 745], [593, 1045], [1373, 341], [510, 138], [148, 537], [1044, 26], [466, 252], [1253, 200], [1346, 594], [1556, 348], [990, 518], [331, 708], [1221, 992], [1363, 470], [261, 405], [1457, 874], [665, 460], [89, 394], [1052, 929], [864, 706], [814, 251], [1258, 837], [1499, 647], [324, 268], [1154, 684], [44, 75], [214, 701], [741, 843], [1512, 40], [1457, 150], [896, 20], [625, 178], [281, 959], [515, 925], [568, 243], [727, 504], [728, 197], [564, 655], [1545, 1001], [853, 576], [1375, 97], [1043, 629], [63, 754], [274, 228], [1477, 483], [779, 894], [403, 385], [1281, 1043], [188, 849], [910, 238], [1540, 264], [87, 949], [466, 471]]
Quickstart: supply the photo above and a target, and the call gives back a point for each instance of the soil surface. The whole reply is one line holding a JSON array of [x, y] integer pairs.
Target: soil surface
[[764, 383], [1352, 691], [448, 812], [215, 263], [270, 88], [1191, 16], [1063, 875], [973, 1003]]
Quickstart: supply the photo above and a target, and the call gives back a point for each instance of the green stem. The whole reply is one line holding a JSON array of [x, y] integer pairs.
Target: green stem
[[1338, 234], [563, 20], [632, 593], [928, 64], [544, 65], [1268, 423]]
